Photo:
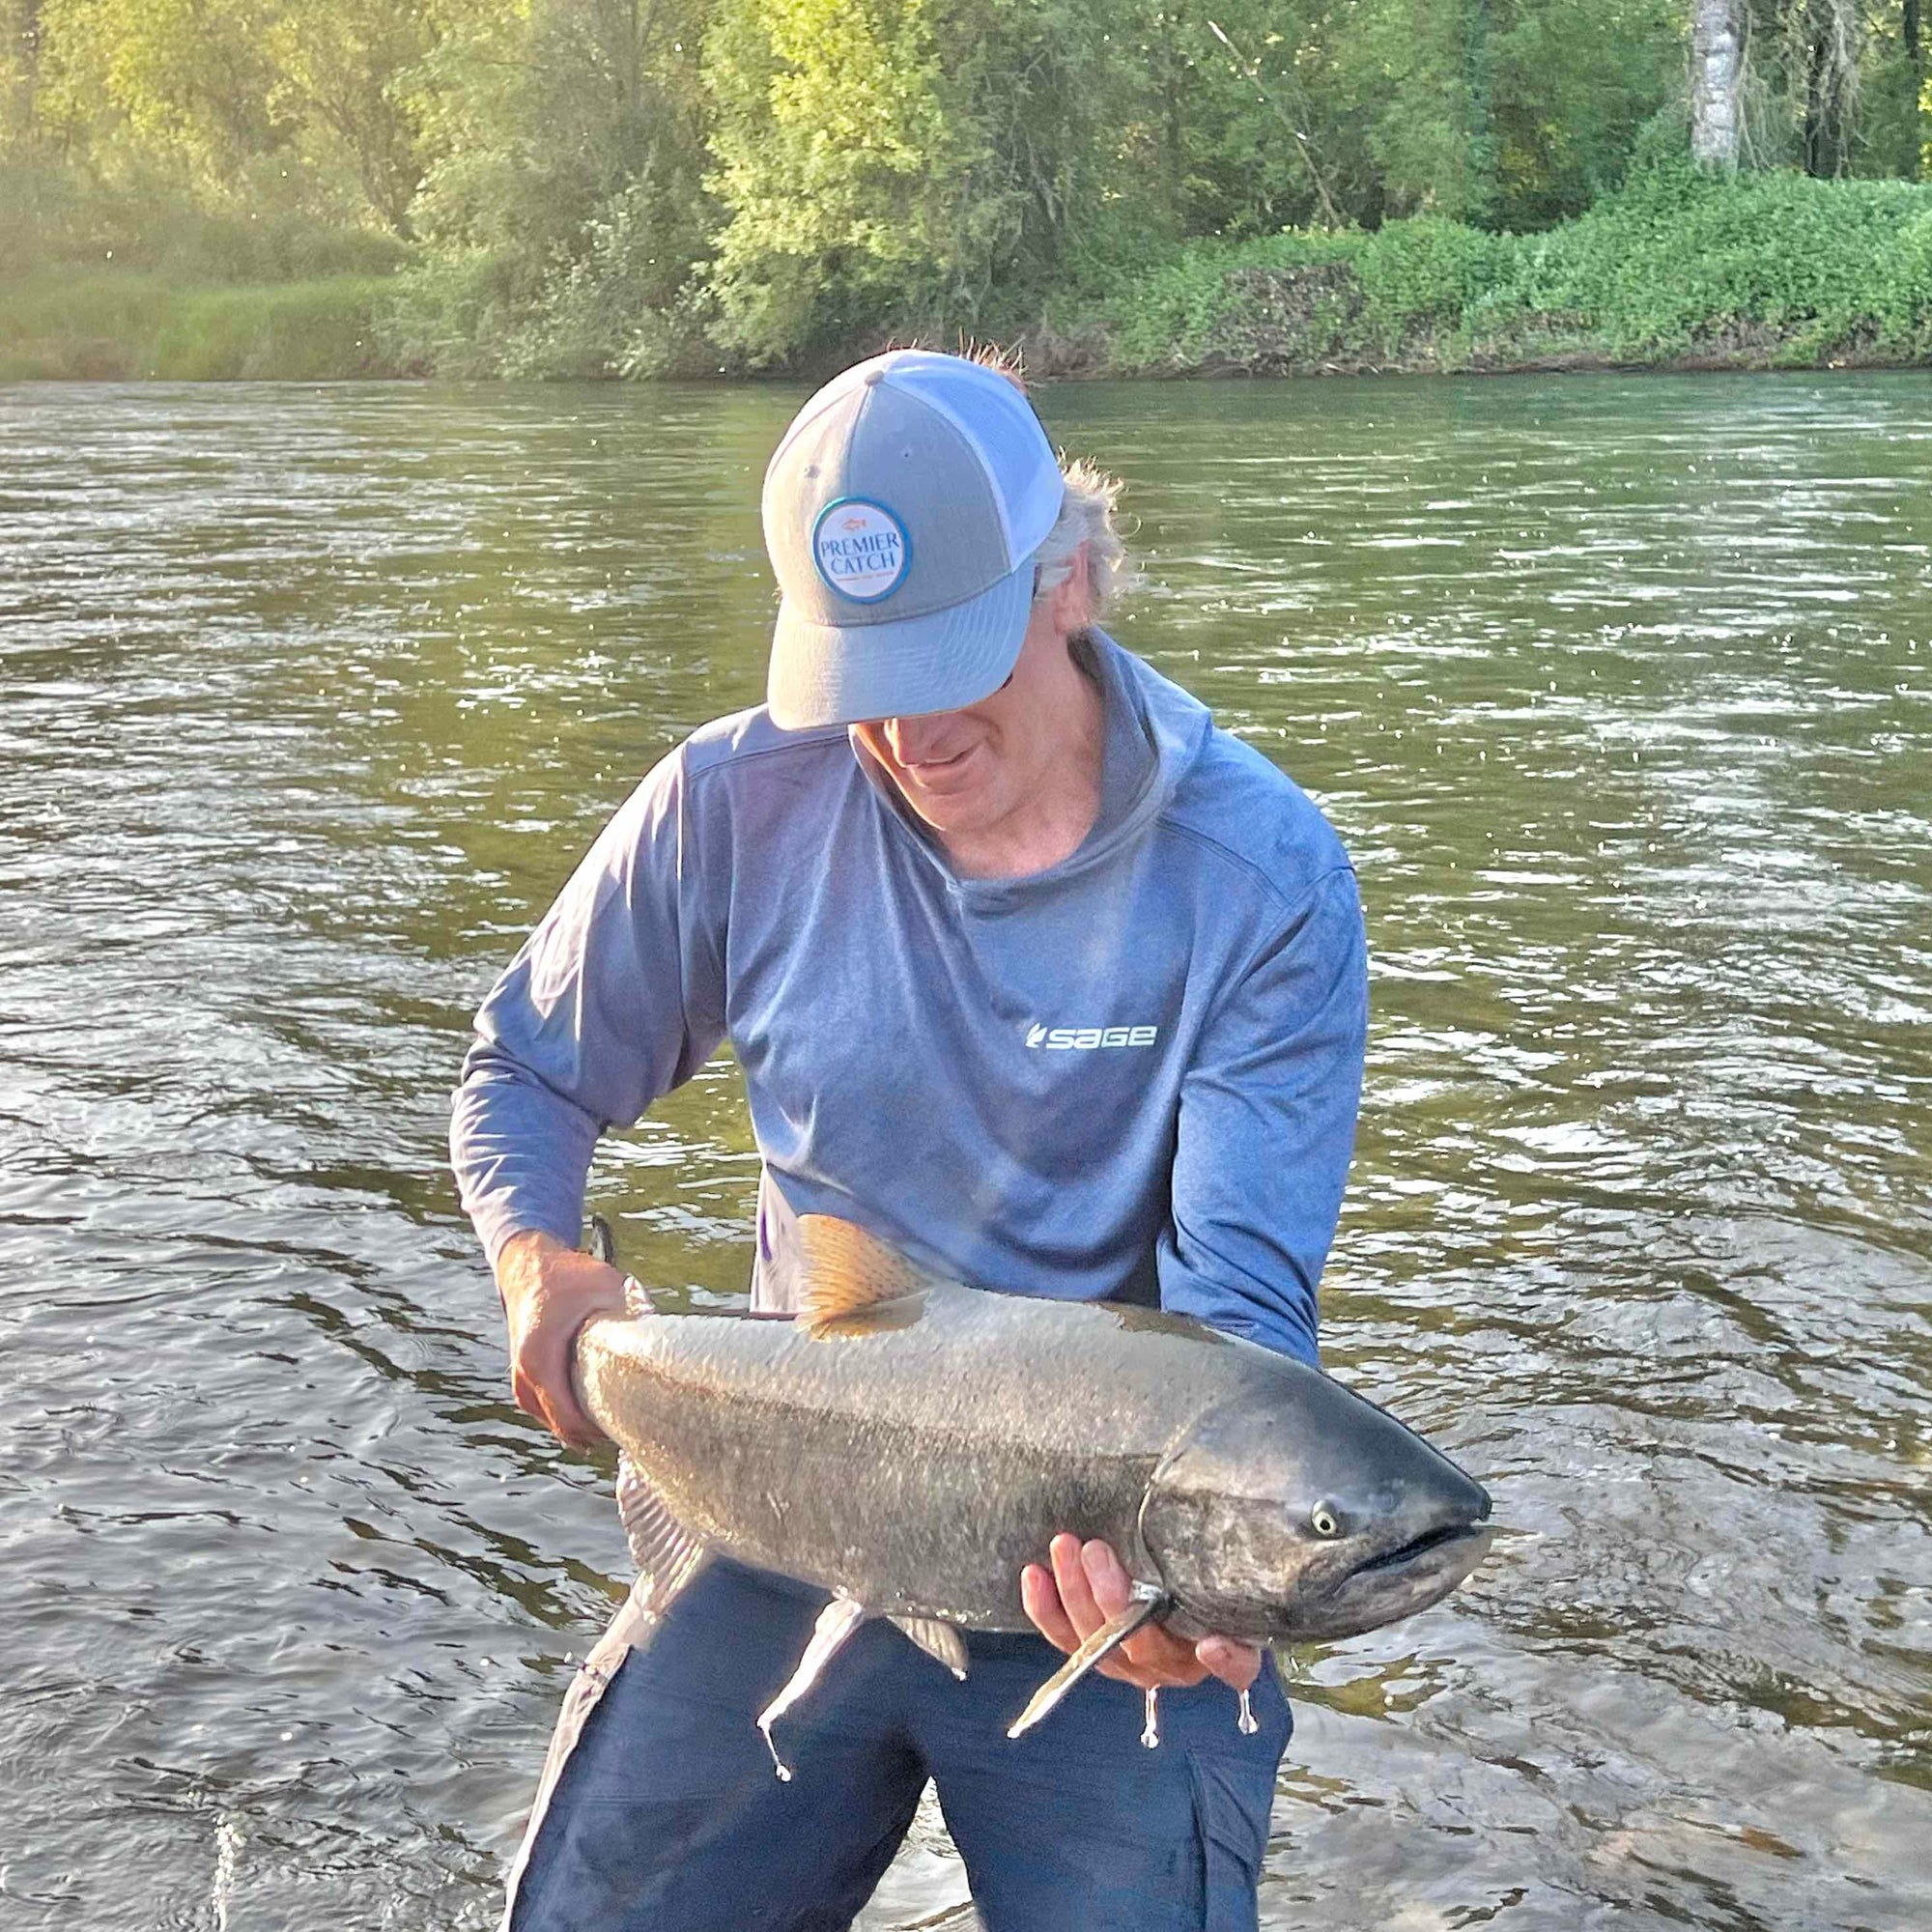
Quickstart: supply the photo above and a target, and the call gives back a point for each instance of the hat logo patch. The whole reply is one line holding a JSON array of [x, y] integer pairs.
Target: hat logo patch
[[860, 548]]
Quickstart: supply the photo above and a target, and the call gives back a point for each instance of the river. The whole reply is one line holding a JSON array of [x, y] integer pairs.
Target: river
[[1620, 692]]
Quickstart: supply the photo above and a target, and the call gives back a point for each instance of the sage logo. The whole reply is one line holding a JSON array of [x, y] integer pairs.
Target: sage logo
[[1089, 1039], [860, 548]]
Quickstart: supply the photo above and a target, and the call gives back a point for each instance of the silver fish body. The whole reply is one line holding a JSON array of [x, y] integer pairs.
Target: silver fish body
[[910, 1444]]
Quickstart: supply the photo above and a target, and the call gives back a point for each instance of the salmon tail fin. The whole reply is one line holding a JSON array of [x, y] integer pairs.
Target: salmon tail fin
[[667, 1555], [836, 1620], [854, 1283], [939, 1640], [1148, 1601]]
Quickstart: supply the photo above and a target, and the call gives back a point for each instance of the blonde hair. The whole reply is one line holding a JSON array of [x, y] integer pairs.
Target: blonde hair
[[1087, 511]]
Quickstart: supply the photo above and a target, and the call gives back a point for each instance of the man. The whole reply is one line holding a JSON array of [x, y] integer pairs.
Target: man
[[1042, 978]]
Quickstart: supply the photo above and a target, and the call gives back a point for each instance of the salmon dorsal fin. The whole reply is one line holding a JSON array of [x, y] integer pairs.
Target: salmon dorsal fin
[[854, 1283]]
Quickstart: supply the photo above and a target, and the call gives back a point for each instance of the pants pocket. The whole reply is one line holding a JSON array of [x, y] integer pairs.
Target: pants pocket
[[1234, 1800]]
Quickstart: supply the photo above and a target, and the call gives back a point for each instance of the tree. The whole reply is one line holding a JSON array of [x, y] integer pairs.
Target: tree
[[197, 94], [1717, 83], [1832, 32], [19, 71], [180, 86], [563, 199], [338, 69], [837, 165]]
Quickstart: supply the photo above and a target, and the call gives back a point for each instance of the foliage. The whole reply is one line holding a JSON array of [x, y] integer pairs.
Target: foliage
[[236, 102], [566, 206], [837, 166], [611, 188], [1165, 319], [1676, 267], [1678, 259]]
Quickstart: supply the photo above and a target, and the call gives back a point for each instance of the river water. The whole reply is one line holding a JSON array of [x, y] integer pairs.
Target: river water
[[1620, 693]]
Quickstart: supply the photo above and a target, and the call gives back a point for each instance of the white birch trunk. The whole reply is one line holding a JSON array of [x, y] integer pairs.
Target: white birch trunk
[[1716, 82]]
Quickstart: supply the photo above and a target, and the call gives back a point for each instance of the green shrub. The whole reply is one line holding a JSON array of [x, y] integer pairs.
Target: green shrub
[[1755, 268], [1422, 274], [320, 330], [49, 217], [1680, 258], [1163, 317], [1903, 272], [455, 313]]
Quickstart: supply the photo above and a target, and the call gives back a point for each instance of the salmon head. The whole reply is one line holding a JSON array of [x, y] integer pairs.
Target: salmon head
[[1297, 1511]]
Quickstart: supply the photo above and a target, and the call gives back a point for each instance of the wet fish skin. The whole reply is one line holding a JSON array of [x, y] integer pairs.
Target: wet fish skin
[[911, 1443]]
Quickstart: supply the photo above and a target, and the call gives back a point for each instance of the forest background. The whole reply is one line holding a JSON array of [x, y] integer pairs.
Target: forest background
[[681, 188]]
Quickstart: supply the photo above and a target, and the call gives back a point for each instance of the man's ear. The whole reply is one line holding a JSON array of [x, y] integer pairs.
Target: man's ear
[[1073, 597]]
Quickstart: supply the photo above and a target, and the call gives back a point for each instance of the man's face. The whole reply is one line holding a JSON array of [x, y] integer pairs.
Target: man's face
[[967, 771]]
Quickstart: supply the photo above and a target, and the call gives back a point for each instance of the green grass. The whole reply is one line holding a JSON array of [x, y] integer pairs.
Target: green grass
[[118, 325]]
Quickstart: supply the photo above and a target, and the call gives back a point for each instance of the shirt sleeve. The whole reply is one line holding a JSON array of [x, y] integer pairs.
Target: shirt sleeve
[[616, 998], [1267, 1129]]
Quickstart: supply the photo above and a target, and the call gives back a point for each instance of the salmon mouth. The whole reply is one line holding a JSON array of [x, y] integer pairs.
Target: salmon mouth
[[1395, 1583], [1445, 1539]]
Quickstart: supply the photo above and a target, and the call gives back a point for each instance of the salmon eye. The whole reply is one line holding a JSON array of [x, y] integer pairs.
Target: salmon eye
[[1324, 1522]]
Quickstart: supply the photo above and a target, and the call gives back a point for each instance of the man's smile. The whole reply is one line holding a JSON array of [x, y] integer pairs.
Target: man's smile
[[943, 775]]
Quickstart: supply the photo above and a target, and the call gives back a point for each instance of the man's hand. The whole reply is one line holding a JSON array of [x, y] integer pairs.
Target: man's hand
[[1088, 1584], [550, 1290]]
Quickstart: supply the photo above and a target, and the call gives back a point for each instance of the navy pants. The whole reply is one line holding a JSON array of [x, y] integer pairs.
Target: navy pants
[[668, 1814]]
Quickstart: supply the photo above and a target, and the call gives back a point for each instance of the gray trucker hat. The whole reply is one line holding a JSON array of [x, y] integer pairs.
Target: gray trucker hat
[[902, 513]]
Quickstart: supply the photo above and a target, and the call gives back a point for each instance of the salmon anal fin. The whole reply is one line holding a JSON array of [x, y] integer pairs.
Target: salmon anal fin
[[939, 1640], [664, 1550], [836, 1620], [854, 1283], [1148, 1601]]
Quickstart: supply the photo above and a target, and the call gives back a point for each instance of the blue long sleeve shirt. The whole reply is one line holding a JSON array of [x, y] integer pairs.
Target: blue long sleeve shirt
[[1134, 1074]]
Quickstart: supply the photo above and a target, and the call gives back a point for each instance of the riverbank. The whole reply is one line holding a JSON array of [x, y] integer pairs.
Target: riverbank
[[1676, 272], [127, 325]]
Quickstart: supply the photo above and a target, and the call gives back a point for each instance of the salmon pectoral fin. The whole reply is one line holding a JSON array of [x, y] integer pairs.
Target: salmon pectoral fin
[[839, 1619], [1148, 1601], [664, 1551], [854, 1284], [939, 1640]]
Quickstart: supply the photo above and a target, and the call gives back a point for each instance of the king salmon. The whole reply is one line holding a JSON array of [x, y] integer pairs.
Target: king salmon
[[909, 1443]]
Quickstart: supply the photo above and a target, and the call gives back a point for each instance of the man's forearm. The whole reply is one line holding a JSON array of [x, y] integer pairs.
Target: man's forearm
[[521, 1152]]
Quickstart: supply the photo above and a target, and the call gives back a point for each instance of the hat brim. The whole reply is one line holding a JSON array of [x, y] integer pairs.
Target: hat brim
[[848, 673]]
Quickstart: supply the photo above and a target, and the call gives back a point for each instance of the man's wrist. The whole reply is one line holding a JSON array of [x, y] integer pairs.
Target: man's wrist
[[523, 1253]]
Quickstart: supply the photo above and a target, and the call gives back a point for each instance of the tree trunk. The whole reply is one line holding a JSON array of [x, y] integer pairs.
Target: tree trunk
[[1831, 86], [1716, 82]]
